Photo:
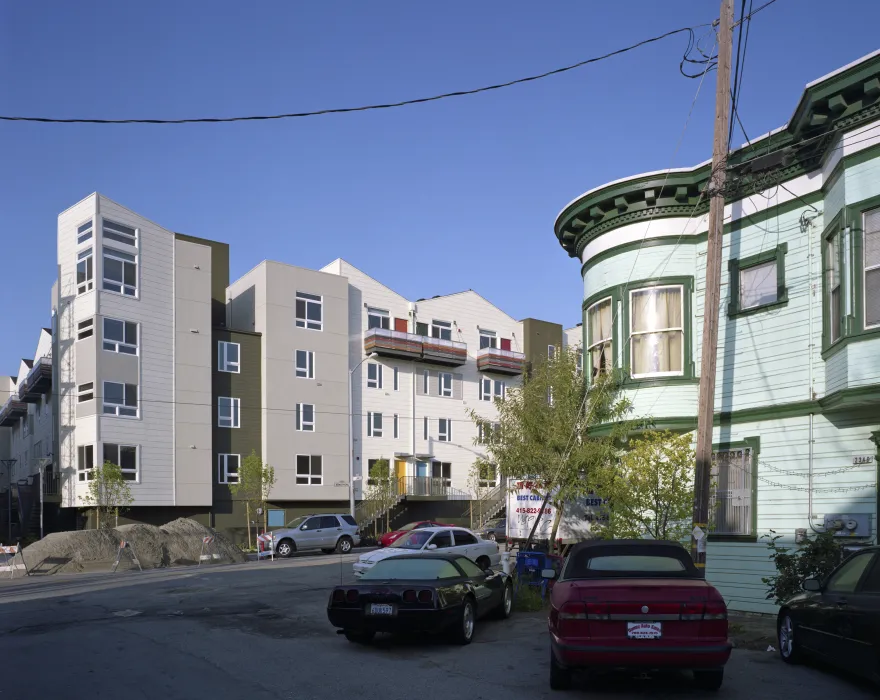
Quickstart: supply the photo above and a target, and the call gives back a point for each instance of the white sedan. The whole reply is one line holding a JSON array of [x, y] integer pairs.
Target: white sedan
[[452, 540]]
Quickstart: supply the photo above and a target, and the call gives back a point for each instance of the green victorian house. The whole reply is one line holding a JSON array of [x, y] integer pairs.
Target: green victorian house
[[797, 397]]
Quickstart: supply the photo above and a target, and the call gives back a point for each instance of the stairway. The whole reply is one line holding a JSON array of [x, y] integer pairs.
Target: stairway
[[487, 507]]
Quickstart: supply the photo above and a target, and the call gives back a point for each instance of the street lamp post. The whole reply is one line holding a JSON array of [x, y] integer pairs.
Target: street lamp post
[[351, 434]]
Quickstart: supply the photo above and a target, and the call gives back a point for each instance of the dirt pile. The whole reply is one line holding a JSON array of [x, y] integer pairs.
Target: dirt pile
[[178, 543]]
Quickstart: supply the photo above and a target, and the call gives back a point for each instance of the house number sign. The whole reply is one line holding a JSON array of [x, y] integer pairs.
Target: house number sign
[[863, 459]]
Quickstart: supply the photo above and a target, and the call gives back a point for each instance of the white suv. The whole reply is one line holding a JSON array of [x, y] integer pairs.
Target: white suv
[[331, 532]]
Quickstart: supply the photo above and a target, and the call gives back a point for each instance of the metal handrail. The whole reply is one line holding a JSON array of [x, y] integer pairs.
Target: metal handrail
[[512, 354]]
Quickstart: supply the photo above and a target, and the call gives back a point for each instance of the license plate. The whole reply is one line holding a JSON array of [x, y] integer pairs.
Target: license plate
[[381, 609], [644, 630]]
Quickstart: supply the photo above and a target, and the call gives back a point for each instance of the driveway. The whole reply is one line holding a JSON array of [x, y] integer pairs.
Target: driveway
[[258, 631]]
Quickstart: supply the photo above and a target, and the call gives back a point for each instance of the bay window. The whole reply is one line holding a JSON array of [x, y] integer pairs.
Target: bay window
[[657, 331], [871, 248], [599, 328]]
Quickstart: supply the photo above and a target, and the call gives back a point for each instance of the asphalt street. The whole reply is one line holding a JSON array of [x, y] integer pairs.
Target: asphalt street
[[258, 631]]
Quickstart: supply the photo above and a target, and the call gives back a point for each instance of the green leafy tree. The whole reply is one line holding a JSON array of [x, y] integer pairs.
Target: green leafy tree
[[381, 491], [816, 557], [108, 494], [255, 482], [557, 430], [651, 488]]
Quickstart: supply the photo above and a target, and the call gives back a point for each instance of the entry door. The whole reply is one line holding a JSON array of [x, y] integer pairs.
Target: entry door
[[400, 473], [422, 474]]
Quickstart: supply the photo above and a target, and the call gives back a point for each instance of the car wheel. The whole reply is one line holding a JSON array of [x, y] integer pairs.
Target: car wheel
[[483, 562], [709, 680], [502, 612], [785, 633], [344, 545], [285, 548], [463, 631], [359, 636], [491, 537], [560, 678]]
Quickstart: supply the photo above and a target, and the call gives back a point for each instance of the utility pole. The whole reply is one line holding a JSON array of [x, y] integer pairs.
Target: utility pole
[[706, 405]]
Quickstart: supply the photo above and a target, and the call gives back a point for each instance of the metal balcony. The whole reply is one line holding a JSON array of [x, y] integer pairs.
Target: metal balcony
[[500, 361], [418, 348], [11, 411], [37, 382]]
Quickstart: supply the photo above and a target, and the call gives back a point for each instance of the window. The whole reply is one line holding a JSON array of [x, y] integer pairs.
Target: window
[[485, 431], [445, 384], [833, 287], [463, 538], [418, 569], [599, 321], [871, 246], [374, 376], [312, 524], [491, 389], [488, 476], [227, 468], [120, 399], [27, 427], [396, 426], [758, 281], [757, 285], [871, 584], [551, 352], [847, 577], [329, 522], [84, 271], [378, 318], [441, 329], [85, 462], [120, 272], [276, 517], [309, 470], [656, 331], [421, 328], [305, 364], [444, 430], [425, 376], [730, 503], [396, 381], [441, 540], [85, 392], [426, 427], [466, 565], [228, 357], [84, 232], [119, 232], [228, 412], [124, 457], [305, 417], [84, 329], [120, 336], [374, 424], [309, 311], [442, 471], [580, 361], [488, 339]]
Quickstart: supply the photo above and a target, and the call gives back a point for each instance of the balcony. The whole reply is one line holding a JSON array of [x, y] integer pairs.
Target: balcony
[[418, 348], [37, 382], [11, 411], [500, 361]]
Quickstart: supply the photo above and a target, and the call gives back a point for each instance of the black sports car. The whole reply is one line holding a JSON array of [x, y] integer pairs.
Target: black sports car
[[422, 593]]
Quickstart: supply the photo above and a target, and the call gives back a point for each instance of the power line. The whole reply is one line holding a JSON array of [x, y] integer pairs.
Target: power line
[[364, 108]]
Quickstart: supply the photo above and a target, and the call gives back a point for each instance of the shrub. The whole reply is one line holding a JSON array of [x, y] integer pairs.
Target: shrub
[[815, 558]]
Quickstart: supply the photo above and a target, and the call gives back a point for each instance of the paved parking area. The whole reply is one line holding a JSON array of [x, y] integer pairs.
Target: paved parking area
[[258, 631]]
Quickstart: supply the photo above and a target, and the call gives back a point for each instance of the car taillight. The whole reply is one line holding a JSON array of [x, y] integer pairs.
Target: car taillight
[[692, 611], [715, 610], [352, 596], [598, 611], [426, 596], [573, 620], [409, 597], [338, 596]]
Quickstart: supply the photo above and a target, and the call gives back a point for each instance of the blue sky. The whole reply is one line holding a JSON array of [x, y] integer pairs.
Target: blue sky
[[429, 199]]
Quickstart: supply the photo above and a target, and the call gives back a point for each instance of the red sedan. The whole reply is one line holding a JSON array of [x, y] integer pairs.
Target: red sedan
[[636, 605], [390, 538]]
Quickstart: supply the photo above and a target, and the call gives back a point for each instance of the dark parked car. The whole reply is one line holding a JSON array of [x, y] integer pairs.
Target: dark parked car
[[424, 593], [636, 605], [495, 530], [837, 619]]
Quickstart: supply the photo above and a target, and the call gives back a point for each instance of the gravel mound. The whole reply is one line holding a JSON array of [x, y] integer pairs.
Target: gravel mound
[[176, 544]]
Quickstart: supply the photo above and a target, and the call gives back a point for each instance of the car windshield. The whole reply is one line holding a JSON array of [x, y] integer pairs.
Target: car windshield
[[296, 522], [411, 569], [414, 540]]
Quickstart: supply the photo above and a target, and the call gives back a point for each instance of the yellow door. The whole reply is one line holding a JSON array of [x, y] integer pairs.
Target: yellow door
[[400, 472]]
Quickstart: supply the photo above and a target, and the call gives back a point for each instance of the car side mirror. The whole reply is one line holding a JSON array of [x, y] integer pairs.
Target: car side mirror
[[548, 573], [812, 584], [432, 546]]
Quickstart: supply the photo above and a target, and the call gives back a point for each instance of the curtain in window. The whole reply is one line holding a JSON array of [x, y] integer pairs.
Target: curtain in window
[[833, 284], [600, 324], [657, 330], [757, 285], [872, 268]]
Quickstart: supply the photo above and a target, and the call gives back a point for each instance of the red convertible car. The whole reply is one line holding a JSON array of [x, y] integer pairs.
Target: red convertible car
[[390, 538], [636, 605]]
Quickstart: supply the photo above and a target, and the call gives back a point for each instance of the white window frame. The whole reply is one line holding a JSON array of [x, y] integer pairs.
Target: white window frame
[[551, 352], [595, 344], [84, 472], [121, 410], [396, 379], [123, 258], [867, 269], [445, 381], [304, 425], [308, 371], [446, 480], [115, 232], [85, 256], [224, 364], [308, 300], [680, 328], [376, 381], [85, 392], [374, 424], [442, 327], [396, 426], [137, 459], [234, 419], [224, 474], [309, 478], [85, 231], [488, 483], [496, 389], [381, 316], [444, 435], [85, 329], [120, 347], [491, 337]]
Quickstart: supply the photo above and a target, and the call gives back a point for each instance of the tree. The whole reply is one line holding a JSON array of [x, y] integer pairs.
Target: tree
[[381, 491], [556, 430], [108, 494], [255, 482], [651, 488]]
